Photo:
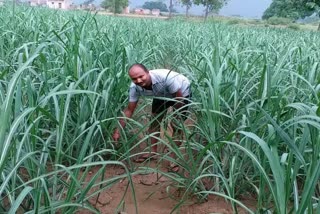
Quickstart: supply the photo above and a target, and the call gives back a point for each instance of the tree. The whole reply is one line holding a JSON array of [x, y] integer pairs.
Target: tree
[[293, 9], [170, 8], [155, 5], [116, 6], [315, 6], [87, 2], [188, 4], [211, 5]]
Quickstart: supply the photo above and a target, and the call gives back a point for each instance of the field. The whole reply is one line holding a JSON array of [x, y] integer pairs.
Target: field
[[253, 130]]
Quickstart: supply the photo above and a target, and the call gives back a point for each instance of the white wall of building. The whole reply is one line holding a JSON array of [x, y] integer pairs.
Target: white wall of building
[[38, 2], [58, 4]]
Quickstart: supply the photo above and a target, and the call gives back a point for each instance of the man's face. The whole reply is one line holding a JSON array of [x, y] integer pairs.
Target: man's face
[[140, 77]]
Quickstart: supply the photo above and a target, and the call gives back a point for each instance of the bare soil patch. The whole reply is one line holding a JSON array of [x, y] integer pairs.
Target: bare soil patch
[[154, 194]]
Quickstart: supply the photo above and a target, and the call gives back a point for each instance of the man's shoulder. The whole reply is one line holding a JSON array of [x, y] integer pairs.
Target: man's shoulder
[[135, 88], [132, 85], [159, 71], [160, 74]]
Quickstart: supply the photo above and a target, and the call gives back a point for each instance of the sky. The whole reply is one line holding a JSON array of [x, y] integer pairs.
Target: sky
[[244, 8]]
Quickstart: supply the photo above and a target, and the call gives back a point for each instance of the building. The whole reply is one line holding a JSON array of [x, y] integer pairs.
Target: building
[[59, 4], [142, 11], [55, 4], [155, 12], [126, 10], [38, 2], [90, 7]]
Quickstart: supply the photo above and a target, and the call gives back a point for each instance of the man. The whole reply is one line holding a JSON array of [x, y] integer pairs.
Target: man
[[160, 83]]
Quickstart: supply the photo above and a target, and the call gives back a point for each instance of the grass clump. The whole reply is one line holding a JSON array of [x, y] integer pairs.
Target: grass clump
[[234, 21], [294, 26], [279, 21]]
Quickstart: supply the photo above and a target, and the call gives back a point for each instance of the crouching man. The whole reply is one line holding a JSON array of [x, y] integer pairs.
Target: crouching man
[[159, 83]]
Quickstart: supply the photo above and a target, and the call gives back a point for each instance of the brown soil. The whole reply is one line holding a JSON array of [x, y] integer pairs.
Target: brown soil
[[154, 193]]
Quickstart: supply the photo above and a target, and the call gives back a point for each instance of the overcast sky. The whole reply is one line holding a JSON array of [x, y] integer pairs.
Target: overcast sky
[[245, 8]]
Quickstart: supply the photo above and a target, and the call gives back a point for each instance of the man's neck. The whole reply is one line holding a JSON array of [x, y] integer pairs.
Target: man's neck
[[148, 87]]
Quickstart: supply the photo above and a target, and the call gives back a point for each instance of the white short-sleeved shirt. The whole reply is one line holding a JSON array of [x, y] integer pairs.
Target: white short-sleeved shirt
[[165, 83]]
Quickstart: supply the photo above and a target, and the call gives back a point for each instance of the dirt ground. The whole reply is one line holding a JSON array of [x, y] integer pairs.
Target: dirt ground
[[153, 195]]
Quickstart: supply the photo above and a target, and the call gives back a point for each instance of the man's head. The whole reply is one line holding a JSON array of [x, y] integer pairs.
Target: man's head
[[139, 74]]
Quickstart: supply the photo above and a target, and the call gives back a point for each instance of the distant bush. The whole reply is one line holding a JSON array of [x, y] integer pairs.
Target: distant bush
[[234, 21], [279, 21], [255, 21], [294, 26]]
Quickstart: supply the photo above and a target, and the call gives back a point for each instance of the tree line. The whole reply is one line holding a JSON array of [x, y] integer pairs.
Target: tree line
[[117, 6], [292, 9]]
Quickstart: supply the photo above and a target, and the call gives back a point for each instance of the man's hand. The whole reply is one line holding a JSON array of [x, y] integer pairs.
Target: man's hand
[[127, 113], [116, 135]]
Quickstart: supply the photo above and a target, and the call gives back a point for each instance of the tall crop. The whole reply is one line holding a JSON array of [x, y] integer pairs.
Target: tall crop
[[254, 120]]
